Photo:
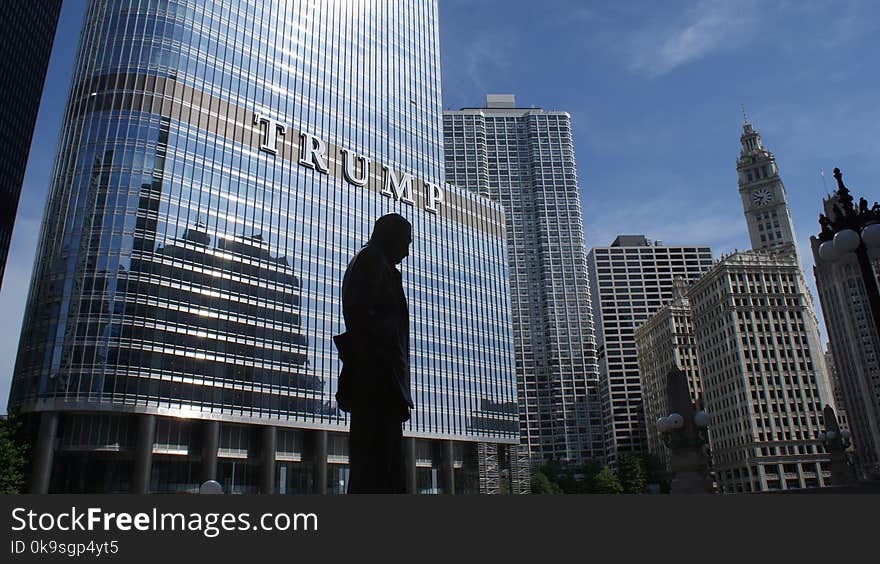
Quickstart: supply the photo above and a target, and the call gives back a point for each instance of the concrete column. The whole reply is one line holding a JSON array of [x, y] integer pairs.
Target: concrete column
[[319, 459], [44, 452], [447, 467], [409, 451], [143, 454], [210, 444], [269, 446]]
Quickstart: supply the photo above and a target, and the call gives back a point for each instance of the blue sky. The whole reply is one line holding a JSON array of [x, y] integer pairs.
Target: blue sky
[[654, 90]]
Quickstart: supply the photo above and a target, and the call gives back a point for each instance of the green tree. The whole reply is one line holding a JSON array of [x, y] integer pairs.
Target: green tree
[[552, 469], [13, 456], [606, 483], [541, 484], [590, 469], [559, 476], [655, 472], [630, 474], [567, 483]]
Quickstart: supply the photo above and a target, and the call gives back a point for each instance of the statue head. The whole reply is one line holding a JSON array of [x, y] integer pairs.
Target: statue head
[[392, 233]]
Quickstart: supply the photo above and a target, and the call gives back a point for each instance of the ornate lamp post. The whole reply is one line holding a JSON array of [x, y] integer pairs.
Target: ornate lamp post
[[852, 228], [685, 432], [212, 487], [850, 237], [836, 441]]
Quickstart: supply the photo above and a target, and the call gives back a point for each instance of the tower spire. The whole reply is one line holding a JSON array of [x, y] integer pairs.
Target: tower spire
[[747, 125], [763, 196]]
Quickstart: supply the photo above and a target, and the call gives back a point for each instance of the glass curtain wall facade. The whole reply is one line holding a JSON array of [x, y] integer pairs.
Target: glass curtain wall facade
[[524, 159], [28, 31], [219, 165]]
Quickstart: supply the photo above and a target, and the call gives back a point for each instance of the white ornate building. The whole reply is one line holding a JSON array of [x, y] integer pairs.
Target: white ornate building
[[765, 204], [666, 343], [854, 344], [762, 366], [762, 371]]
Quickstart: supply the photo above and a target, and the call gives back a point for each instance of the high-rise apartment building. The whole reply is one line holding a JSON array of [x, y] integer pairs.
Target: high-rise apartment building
[[219, 165], [631, 280], [28, 31], [524, 160], [665, 344], [762, 367], [762, 371]]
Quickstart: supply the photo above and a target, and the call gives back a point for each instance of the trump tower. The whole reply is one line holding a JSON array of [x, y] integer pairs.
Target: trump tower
[[220, 162]]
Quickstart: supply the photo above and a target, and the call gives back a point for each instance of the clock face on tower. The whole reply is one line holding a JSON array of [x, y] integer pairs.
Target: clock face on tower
[[762, 197]]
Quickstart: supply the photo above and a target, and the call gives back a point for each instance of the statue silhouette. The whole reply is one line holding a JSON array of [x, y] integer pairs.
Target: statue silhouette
[[374, 385]]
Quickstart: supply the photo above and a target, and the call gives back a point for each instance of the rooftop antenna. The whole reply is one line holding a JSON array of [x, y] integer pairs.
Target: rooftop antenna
[[745, 116]]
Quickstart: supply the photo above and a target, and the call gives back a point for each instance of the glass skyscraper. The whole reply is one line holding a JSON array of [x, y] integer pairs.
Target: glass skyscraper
[[219, 164], [524, 160], [28, 31]]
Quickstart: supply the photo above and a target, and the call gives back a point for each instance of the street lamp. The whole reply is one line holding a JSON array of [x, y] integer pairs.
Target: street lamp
[[211, 487], [675, 436], [829, 438], [835, 441], [685, 433], [851, 228]]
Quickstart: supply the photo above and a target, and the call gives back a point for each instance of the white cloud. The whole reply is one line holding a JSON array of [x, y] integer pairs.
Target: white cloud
[[709, 26], [485, 55]]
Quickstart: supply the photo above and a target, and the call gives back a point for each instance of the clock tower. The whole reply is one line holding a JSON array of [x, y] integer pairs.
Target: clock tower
[[763, 195]]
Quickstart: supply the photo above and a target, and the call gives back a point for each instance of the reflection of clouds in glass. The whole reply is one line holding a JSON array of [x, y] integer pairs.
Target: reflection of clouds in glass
[[237, 321], [496, 418]]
